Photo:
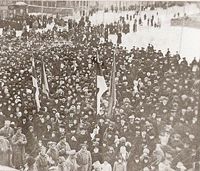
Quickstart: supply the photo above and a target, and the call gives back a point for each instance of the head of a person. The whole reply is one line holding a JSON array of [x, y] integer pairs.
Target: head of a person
[[19, 130], [96, 149], [84, 147], [7, 123], [31, 128]]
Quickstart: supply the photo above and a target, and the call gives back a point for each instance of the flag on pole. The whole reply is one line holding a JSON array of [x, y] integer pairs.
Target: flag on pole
[[35, 85], [44, 81], [112, 89], [101, 85]]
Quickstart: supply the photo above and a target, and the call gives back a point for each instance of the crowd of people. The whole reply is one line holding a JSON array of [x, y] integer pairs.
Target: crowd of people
[[154, 125]]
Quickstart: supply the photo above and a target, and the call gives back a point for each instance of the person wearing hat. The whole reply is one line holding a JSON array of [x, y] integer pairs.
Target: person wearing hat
[[84, 159], [31, 140], [53, 153], [7, 131], [110, 155], [119, 165], [19, 141], [96, 154], [63, 146], [42, 161]]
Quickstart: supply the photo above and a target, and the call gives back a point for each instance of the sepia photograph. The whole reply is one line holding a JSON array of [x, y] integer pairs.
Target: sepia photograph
[[96, 85]]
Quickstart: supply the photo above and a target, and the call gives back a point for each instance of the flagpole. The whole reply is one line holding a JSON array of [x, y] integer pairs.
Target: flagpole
[[96, 87], [114, 67], [35, 84], [100, 83]]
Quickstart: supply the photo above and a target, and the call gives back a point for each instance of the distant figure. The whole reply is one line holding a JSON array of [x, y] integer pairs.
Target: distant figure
[[127, 17], [140, 21], [119, 38], [106, 34], [135, 27], [148, 22], [145, 16]]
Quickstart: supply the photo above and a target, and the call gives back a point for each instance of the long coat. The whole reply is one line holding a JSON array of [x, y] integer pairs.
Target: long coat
[[19, 141], [84, 160], [7, 132], [63, 147], [5, 151]]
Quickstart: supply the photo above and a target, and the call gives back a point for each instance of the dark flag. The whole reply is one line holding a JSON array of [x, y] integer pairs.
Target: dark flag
[[112, 89], [44, 81], [35, 85]]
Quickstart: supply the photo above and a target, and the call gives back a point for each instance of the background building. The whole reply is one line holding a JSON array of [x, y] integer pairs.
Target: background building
[[76, 8], [65, 7]]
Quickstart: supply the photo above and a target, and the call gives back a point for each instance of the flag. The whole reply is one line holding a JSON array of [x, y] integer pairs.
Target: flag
[[112, 89], [44, 81], [35, 85], [101, 85]]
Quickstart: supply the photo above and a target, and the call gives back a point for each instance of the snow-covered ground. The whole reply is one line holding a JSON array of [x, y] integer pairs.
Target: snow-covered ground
[[164, 15], [184, 40]]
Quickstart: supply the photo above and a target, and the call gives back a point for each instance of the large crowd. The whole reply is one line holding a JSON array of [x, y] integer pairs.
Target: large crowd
[[154, 125]]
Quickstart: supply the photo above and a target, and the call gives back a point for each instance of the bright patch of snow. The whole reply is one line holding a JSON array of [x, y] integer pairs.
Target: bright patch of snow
[[184, 40]]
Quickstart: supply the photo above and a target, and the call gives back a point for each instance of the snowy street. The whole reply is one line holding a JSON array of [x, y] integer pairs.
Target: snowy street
[[182, 39], [164, 38]]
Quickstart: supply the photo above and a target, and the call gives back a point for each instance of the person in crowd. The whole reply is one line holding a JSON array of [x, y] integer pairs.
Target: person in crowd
[[42, 160], [119, 38], [156, 97], [53, 153], [63, 146], [84, 159], [18, 142], [7, 131], [119, 164]]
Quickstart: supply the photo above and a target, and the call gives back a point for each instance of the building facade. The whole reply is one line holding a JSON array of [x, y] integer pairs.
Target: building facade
[[47, 6]]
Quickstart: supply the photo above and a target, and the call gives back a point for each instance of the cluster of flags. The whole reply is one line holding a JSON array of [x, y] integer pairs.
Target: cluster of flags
[[100, 84], [44, 82]]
